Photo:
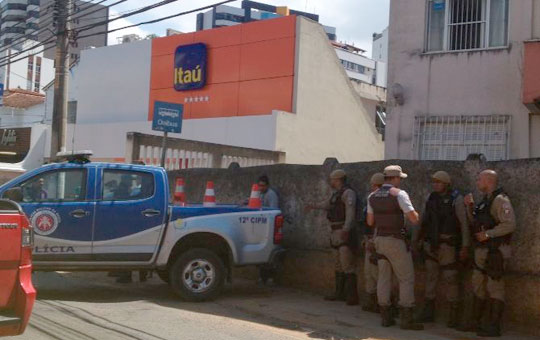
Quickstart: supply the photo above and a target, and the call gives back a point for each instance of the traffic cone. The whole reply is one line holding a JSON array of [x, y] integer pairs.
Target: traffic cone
[[179, 195], [209, 195], [255, 198]]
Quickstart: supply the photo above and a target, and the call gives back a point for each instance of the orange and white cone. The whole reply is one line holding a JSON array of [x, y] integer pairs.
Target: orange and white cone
[[209, 195], [255, 197], [179, 195]]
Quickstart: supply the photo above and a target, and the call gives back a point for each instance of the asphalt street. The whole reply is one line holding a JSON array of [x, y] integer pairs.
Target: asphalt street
[[88, 306]]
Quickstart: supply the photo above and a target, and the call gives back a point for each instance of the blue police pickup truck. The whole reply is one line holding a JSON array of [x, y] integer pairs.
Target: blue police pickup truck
[[103, 217]]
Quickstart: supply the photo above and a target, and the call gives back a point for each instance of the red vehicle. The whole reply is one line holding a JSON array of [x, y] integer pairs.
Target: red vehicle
[[17, 294]]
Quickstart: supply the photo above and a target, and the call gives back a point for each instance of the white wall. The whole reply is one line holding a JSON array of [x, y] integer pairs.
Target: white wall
[[330, 118], [114, 83], [379, 49], [457, 83]]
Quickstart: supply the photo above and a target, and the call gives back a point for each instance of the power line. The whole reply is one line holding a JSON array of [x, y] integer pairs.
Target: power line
[[48, 22], [159, 19], [22, 58], [144, 9]]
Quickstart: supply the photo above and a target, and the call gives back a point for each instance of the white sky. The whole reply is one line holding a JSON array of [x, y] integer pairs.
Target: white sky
[[355, 20]]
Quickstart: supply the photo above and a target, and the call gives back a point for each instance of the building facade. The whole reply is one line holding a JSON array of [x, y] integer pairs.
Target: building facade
[[29, 70], [85, 13], [18, 18], [459, 82], [379, 47], [273, 85], [223, 15]]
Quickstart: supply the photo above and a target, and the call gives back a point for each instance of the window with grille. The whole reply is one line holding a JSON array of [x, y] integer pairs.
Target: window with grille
[[455, 25], [456, 137]]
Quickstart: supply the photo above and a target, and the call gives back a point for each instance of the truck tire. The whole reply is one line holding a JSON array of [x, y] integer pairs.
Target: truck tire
[[197, 275], [163, 275]]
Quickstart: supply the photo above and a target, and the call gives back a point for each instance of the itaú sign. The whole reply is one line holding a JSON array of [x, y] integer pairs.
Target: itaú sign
[[190, 67]]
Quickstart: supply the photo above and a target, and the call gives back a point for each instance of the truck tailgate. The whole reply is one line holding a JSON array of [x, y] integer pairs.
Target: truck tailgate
[[10, 246]]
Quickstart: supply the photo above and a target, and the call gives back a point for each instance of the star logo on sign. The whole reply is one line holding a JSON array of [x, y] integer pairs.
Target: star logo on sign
[[196, 99]]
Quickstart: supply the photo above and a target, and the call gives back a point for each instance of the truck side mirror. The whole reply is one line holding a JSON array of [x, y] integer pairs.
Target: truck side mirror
[[14, 194]]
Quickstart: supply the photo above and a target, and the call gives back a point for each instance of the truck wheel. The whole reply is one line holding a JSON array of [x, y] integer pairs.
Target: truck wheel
[[163, 275], [197, 275]]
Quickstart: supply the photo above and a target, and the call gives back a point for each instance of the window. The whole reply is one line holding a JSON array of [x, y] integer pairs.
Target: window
[[20, 7], [455, 137], [353, 66], [119, 185], [62, 185], [72, 112], [30, 73], [229, 17], [37, 80], [454, 25]]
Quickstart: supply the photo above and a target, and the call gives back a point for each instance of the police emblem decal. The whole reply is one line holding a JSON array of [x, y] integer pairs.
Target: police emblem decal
[[45, 221]]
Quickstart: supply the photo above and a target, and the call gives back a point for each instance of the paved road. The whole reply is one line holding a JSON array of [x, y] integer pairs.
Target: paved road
[[87, 306]]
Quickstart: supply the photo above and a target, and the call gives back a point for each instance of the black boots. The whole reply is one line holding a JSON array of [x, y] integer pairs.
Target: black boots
[[371, 304], [386, 315], [495, 313], [351, 290], [428, 314], [453, 318], [474, 323], [339, 295], [407, 320]]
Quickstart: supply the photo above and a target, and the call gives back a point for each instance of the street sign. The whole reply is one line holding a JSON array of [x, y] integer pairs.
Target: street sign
[[167, 117]]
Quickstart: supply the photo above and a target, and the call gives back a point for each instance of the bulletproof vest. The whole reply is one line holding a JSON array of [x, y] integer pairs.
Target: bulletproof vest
[[389, 217], [483, 220], [442, 215], [337, 207]]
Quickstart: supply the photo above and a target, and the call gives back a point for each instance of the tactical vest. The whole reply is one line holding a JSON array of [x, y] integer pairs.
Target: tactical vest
[[483, 220], [337, 212], [442, 215], [389, 217]]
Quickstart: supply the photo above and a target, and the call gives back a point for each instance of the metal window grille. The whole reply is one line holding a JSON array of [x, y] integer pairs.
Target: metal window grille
[[456, 25], [466, 24], [455, 137]]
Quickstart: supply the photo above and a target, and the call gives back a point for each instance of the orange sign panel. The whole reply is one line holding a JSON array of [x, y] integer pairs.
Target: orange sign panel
[[249, 70]]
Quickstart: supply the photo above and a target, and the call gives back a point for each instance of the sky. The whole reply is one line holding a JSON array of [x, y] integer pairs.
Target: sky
[[355, 20]]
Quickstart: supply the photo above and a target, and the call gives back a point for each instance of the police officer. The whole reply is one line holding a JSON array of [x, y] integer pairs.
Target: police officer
[[387, 209], [341, 212], [370, 258], [493, 222], [444, 227]]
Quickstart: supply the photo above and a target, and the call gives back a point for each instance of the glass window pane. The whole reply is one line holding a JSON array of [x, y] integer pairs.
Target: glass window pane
[[498, 23], [67, 185], [436, 17], [121, 185]]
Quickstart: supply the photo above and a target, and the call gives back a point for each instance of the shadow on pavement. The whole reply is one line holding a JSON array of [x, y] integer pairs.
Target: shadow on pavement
[[244, 300]]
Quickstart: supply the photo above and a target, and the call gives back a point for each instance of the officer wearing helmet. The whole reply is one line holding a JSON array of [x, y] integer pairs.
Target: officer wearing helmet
[[341, 213], [445, 237]]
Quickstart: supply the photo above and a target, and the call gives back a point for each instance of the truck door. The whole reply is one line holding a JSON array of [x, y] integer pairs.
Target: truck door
[[130, 215], [58, 208]]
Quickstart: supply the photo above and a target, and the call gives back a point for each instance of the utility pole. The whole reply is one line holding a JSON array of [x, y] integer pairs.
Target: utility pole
[[62, 13]]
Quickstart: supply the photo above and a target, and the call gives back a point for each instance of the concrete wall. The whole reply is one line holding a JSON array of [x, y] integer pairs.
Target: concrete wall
[[483, 82], [331, 119], [309, 263]]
